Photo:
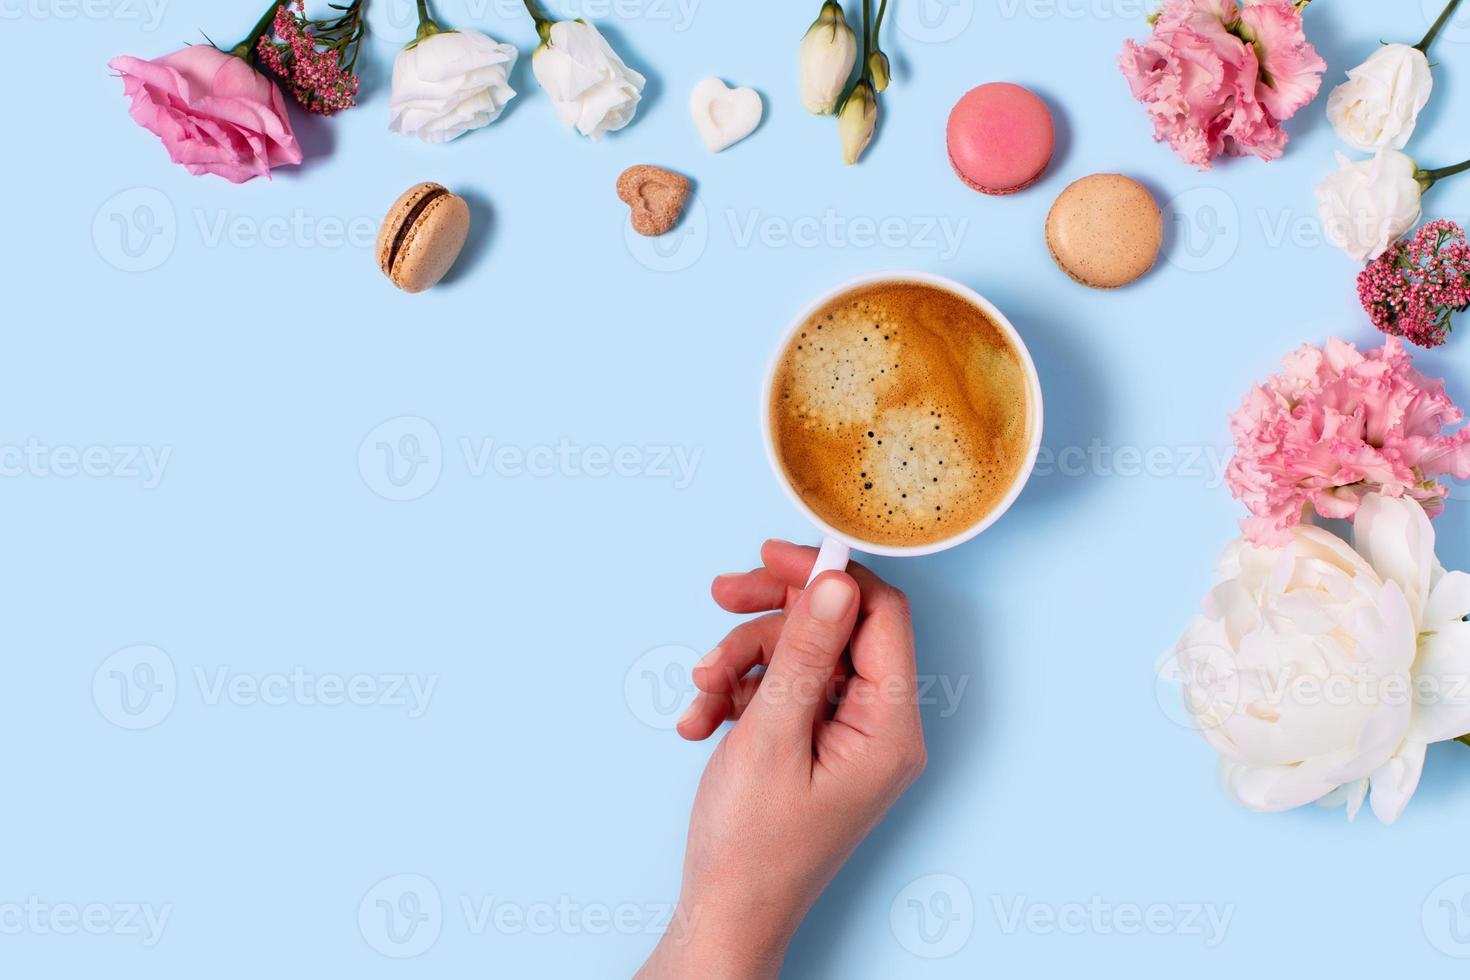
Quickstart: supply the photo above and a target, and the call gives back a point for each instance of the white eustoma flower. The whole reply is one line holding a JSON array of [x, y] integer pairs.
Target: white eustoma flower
[[1377, 107], [448, 84], [826, 56], [591, 87], [1320, 672], [857, 122], [1369, 203]]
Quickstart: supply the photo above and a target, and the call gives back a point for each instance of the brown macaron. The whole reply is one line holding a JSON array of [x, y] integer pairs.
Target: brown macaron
[[1105, 230], [421, 236]]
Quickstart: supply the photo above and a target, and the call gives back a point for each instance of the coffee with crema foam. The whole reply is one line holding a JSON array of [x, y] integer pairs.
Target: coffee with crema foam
[[899, 413]]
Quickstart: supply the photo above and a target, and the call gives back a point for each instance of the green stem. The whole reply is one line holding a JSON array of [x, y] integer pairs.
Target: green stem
[[1428, 178], [878, 24], [867, 38], [1436, 27], [543, 23], [427, 26], [1465, 739], [246, 48]]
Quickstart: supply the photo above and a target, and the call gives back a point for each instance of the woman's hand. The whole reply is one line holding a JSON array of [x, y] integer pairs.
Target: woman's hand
[[827, 738]]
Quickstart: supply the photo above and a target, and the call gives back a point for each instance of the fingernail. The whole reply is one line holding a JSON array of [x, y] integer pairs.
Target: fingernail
[[708, 658], [688, 713], [830, 599]]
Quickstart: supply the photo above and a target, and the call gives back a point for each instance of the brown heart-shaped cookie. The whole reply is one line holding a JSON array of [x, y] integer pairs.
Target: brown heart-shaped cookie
[[655, 196]]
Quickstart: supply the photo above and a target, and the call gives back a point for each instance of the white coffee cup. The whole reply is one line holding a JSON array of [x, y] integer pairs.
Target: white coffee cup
[[837, 547]]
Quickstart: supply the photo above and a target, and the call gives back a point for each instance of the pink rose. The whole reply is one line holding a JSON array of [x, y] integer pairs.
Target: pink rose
[[214, 113]]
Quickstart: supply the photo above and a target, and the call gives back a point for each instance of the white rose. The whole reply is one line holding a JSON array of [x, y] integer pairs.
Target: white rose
[[448, 84], [592, 89], [1318, 671], [826, 56], [1369, 203], [1377, 107]]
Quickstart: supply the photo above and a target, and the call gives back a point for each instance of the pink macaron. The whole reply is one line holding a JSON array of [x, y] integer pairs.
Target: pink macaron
[[1000, 138]]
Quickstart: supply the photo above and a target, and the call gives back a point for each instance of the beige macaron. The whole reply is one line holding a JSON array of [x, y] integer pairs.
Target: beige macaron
[[421, 236], [1105, 230]]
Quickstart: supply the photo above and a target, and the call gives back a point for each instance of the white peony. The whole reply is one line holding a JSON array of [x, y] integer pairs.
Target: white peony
[[1368, 204], [591, 87], [825, 59], [1318, 671], [1377, 107], [448, 84]]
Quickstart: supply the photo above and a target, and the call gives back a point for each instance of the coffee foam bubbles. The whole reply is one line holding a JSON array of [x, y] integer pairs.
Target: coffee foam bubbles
[[916, 465], [841, 367]]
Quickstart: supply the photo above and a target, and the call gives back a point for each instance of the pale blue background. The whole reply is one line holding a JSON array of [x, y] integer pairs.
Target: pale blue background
[[262, 357]]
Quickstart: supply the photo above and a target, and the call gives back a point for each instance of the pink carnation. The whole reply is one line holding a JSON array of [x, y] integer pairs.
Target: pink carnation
[[1218, 78], [1335, 425]]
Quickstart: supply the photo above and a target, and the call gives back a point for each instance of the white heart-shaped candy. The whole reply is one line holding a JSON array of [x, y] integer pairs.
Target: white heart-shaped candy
[[722, 115]]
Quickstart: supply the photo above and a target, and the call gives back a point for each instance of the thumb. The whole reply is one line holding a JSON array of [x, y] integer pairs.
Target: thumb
[[817, 629]]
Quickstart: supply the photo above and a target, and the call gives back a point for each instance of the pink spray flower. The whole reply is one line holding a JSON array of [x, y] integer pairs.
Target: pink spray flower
[[316, 60], [1336, 424], [1412, 289], [1218, 79]]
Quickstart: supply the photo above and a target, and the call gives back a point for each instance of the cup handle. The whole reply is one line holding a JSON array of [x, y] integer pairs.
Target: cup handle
[[833, 556]]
